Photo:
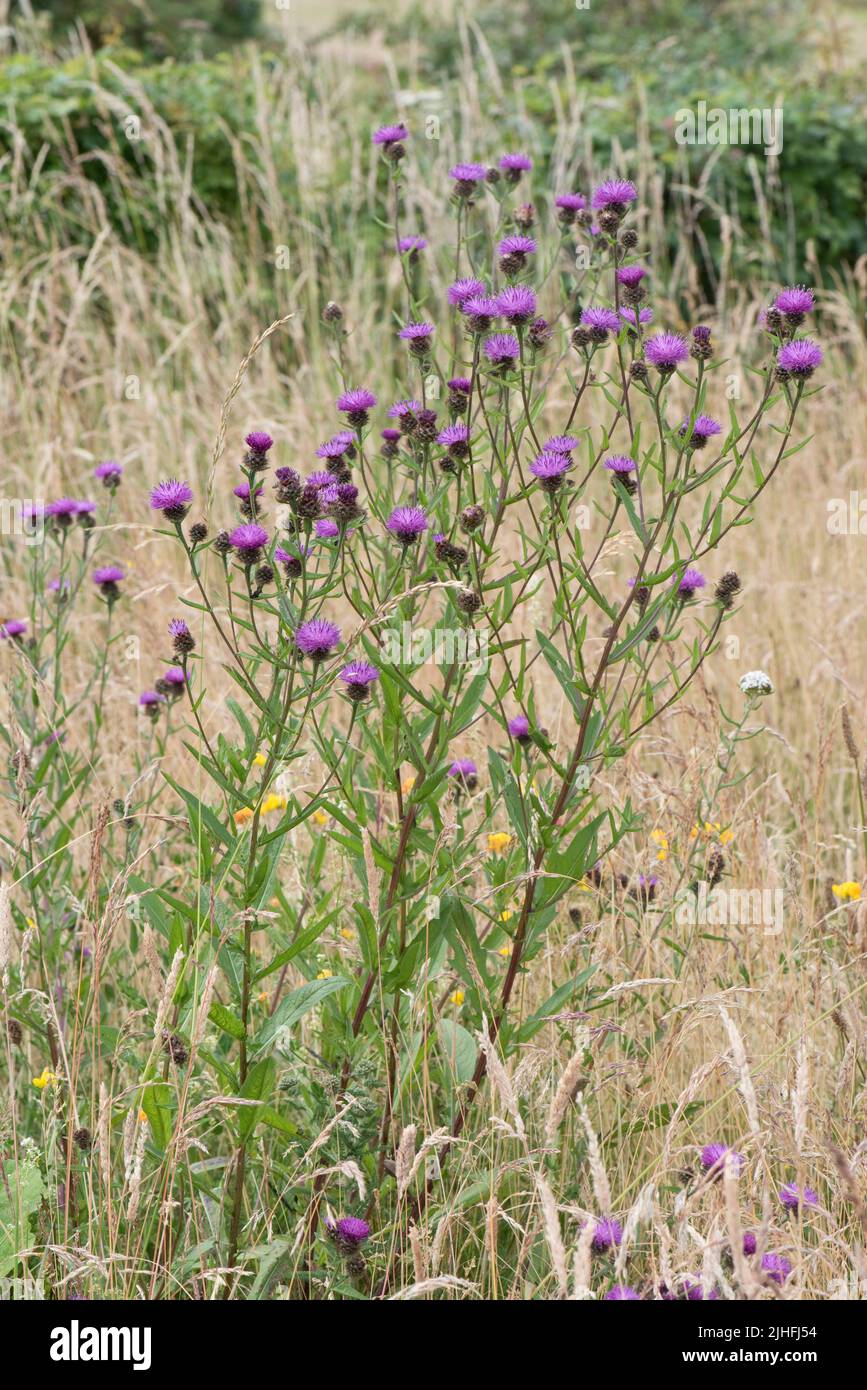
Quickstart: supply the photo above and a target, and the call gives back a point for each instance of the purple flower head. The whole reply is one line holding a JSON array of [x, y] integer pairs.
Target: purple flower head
[[108, 575], [776, 1267], [799, 358], [619, 463], [480, 309], [561, 444], [149, 698], [243, 491], [407, 523], [410, 244], [550, 469], [468, 173], [622, 1293], [401, 409], [792, 1197], [258, 442], [631, 275], [607, 1235], [502, 349], [571, 202], [461, 385], [454, 436], [614, 193], [359, 673], [417, 333], [390, 135], [701, 333], [797, 300], [694, 1290], [703, 428], [636, 316], [465, 289], [175, 677], [172, 498], [317, 638], [351, 1230], [692, 579], [326, 529], [749, 1243], [15, 627], [181, 636], [600, 320], [516, 163], [516, 245], [110, 472], [648, 882], [519, 728], [391, 436], [64, 509], [713, 1158], [666, 350], [248, 541], [517, 304], [332, 448], [321, 479], [356, 403], [463, 768]]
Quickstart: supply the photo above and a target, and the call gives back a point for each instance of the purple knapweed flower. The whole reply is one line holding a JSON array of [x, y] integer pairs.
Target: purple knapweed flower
[[622, 1293], [703, 428], [66, 509], [516, 163], [462, 290], [326, 529], [243, 491], [519, 728], [356, 403], [480, 309], [600, 321], [799, 358], [401, 409], [795, 302], [517, 304], [619, 463], [571, 202], [502, 350], [516, 245], [468, 173], [351, 1230], [631, 275], [614, 193], [465, 773], [792, 1197], [172, 498], [694, 1290], [637, 316], [749, 1243], [390, 135], [317, 638], [411, 245], [15, 627], [549, 469], [333, 448], [455, 438], [320, 479], [776, 1267], [150, 698], [248, 541], [109, 472], [176, 679], [258, 441], [561, 444], [607, 1234], [106, 579], [461, 385], [407, 523], [666, 350], [692, 579], [358, 677], [418, 335], [713, 1158]]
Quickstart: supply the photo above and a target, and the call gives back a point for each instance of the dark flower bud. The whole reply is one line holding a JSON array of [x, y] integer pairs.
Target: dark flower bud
[[493, 175], [332, 313], [715, 865], [468, 601], [198, 532], [264, 575], [524, 216], [13, 1031], [642, 594], [175, 1048], [426, 426], [307, 504], [539, 333], [610, 218], [287, 484], [728, 586], [581, 337], [222, 543], [774, 322], [472, 518], [82, 1138], [638, 371], [629, 239], [575, 916]]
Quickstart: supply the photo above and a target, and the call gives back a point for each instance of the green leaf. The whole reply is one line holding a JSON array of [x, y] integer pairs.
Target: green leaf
[[260, 1082], [293, 1008], [225, 1019], [459, 1048], [21, 1193], [156, 1102]]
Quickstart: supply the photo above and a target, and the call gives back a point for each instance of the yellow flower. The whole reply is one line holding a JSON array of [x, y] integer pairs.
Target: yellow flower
[[660, 838], [260, 760], [263, 997], [347, 933], [325, 974], [273, 803], [726, 836], [504, 951], [505, 914], [457, 997], [320, 817], [499, 842], [142, 1118], [242, 816], [407, 785], [846, 892], [46, 1079]]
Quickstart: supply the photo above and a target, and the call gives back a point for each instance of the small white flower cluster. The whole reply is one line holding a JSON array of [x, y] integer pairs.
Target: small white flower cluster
[[756, 683]]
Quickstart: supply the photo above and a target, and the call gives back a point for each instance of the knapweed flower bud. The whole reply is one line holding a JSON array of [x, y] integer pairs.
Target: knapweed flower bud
[[465, 774], [411, 247], [150, 703], [638, 372], [702, 348], [568, 206], [172, 498], [109, 473], [173, 683], [332, 313], [82, 1138], [287, 484], [467, 177], [715, 866], [107, 579], [248, 542], [629, 278], [264, 576], [13, 1031], [609, 220], [317, 638], [524, 217], [407, 524], [692, 581], [581, 338], [513, 252], [307, 504], [182, 639], [448, 553], [418, 337], [514, 165], [175, 1048], [459, 394], [772, 321], [258, 443], [390, 443], [629, 239], [358, 677], [550, 469], [468, 601], [798, 360], [223, 543], [66, 510], [390, 139], [519, 729], [492, 175], [355, 404], [426, 426], [623, 468], [344, 505], [728, 586], [292, 564], [247, 498], [198, 532], [472, 518], [539, 333]]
